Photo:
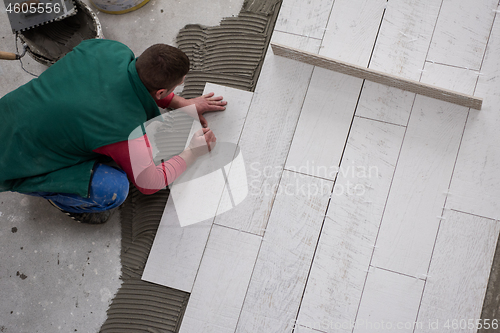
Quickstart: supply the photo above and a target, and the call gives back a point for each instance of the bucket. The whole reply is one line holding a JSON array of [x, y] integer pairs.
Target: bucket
[[118, 6], [50, 42]]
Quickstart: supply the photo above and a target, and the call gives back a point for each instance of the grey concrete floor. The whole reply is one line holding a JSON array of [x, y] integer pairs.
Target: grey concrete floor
[[57, 275]]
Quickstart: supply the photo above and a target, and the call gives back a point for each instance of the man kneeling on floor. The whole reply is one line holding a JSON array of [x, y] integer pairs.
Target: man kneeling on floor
[[56, 129]]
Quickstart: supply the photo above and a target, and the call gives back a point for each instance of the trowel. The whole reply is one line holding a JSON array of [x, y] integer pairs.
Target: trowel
[[33, 13]]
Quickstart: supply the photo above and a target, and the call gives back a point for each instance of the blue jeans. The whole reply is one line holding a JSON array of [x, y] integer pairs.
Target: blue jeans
[[108, 189]]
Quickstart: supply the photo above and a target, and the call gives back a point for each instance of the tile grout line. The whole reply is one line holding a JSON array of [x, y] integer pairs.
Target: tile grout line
[[380, 121], [294, 34], [448, 65], [403, 274], [476, 215], [333, 184], [313, 176]]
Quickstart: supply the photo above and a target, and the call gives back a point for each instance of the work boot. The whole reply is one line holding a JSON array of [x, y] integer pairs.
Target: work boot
[[88, 218]]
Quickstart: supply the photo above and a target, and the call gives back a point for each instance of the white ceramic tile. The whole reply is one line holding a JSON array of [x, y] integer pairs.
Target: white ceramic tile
[[453, 78], [352, 30], [299, 42], [461, 33], [267, 136], [390, 303], [346, 244], [177, 249], [218, 293], [401, 48], [404, 37], [324, 124], [385, 103], [417, 196], [280, 274], [307, 18], [459, 272], [475, 187]]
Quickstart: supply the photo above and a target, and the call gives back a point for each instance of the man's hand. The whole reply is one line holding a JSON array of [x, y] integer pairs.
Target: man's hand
[[205, 103], [201, 143], [208, 103]]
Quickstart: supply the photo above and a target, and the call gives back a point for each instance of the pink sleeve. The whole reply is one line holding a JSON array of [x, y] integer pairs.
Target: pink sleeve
[[165, 102], [136, 159]]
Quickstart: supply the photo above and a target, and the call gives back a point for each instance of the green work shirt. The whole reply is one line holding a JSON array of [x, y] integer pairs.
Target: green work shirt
[[50, 126]]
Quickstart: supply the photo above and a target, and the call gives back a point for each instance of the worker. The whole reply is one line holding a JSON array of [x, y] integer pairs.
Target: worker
[[56, 129]]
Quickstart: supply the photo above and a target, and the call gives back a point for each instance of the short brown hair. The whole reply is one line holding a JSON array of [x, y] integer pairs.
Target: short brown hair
[[161, 66]]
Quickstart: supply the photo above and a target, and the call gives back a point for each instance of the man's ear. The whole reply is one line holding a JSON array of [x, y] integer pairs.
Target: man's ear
[[158, 94]]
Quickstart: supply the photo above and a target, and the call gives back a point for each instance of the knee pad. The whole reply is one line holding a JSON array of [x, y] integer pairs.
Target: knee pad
[[109, 186]]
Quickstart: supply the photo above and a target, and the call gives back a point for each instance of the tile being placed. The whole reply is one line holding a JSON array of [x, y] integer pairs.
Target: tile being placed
[[178, 248]]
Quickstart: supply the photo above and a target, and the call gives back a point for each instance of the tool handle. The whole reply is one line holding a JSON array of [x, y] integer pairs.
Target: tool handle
[[8, 56]]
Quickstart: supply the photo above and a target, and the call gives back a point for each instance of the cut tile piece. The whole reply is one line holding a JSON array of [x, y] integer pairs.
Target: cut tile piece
[[222, 281], [390, 302], [280, 274], [176, 252], [453, 78], [324, 123], [306, 18], [461, 32], [459, 271], [266, 138], [404, 37], [423, 173], [352, 30], [475, 187], [346, 243]]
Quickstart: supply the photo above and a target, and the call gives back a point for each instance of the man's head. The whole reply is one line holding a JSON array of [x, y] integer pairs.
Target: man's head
[[161, 68]]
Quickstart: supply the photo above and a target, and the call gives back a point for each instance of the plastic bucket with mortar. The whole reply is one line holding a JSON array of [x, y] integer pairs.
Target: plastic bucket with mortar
[[50, 42]]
